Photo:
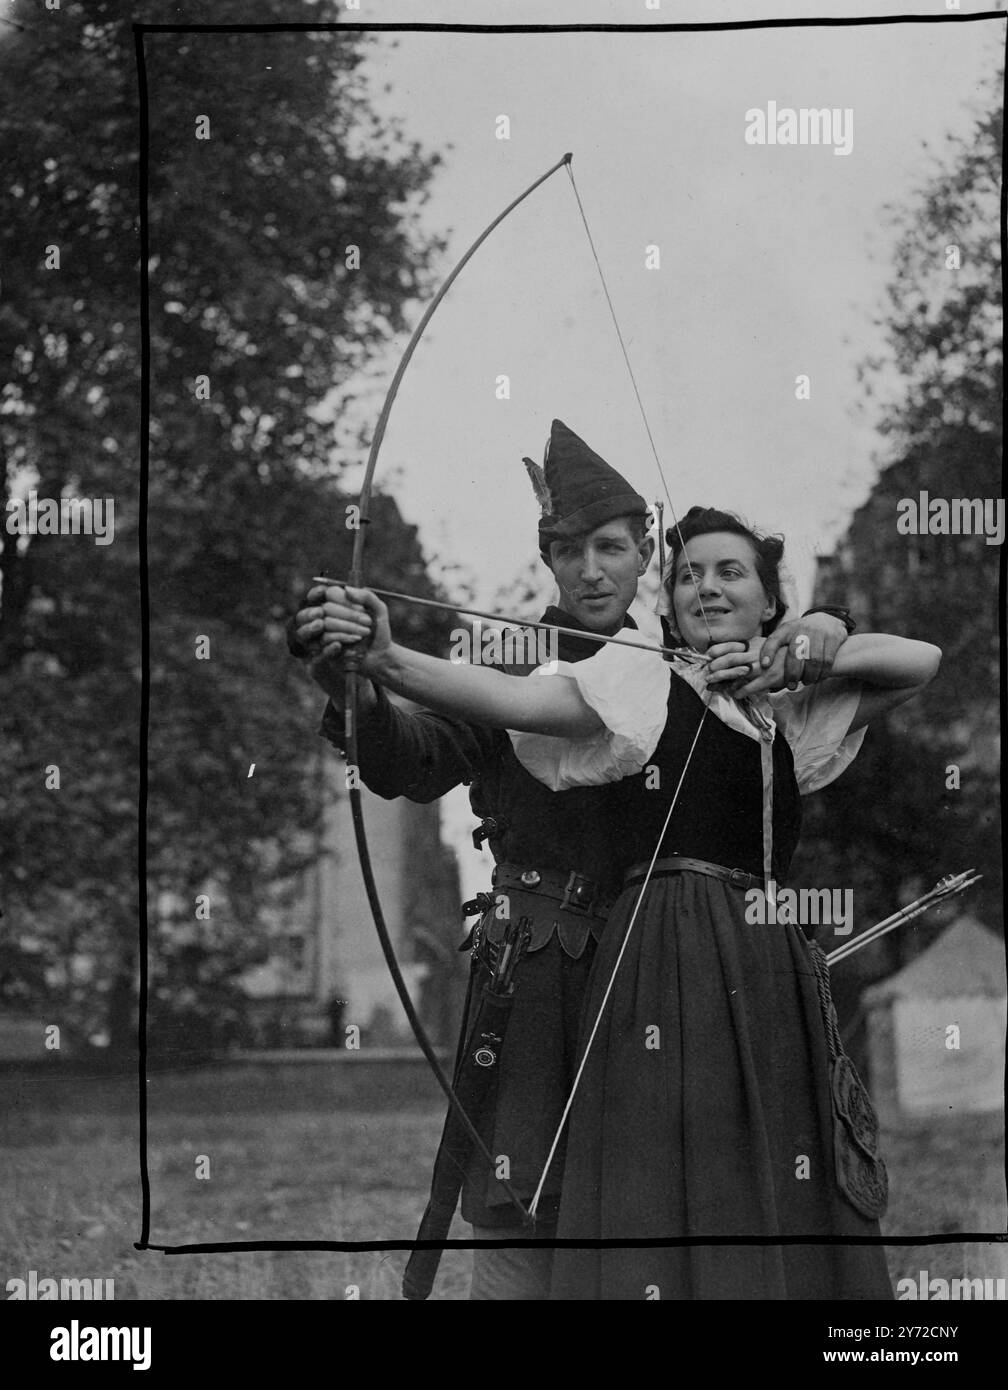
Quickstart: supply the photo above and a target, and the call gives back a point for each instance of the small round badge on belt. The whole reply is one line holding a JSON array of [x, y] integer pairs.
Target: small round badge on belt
[[530, 878], [483, 1057]]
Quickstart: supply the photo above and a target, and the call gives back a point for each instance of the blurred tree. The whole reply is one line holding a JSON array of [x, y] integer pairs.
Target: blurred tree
[[941, 368], [895, 822], [257, 310]]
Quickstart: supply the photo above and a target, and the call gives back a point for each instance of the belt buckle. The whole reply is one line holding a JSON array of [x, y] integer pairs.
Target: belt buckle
[[738, 878], [580, 894]]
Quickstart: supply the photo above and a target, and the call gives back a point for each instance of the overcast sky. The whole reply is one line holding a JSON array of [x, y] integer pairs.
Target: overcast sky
[[773, 263], [773, 259]]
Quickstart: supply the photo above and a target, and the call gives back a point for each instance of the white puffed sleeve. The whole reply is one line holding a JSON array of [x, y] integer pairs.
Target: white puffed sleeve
[[815, 721], [628, 689]]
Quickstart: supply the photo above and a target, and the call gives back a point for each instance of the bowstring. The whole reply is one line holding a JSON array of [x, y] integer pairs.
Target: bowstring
[[636, 390], [533, 1207]]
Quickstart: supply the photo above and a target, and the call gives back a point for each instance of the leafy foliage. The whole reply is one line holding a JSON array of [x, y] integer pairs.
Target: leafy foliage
[[250, 287], [893, 824]]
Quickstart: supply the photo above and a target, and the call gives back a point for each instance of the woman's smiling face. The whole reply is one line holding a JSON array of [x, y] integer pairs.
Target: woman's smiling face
[[718, 572]]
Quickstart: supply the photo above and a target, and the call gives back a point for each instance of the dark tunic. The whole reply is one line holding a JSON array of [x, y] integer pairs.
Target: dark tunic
[[422, 756], [704, 1102]]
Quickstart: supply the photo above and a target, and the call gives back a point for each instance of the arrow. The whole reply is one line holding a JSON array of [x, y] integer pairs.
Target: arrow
[[946, 887]]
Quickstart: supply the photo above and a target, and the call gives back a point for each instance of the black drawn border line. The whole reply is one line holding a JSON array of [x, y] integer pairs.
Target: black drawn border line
[[820, 22], [621, 1243], [139, 31], [143, 186]]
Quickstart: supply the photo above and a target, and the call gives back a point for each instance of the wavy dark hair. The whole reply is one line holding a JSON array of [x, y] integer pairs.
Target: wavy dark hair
[[701, 521]]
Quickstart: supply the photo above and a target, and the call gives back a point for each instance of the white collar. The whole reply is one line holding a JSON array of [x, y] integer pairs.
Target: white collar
[[754, 717]]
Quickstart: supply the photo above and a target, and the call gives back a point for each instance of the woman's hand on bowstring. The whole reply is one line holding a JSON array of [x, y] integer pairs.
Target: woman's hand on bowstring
[[731, 665], [800, 651]]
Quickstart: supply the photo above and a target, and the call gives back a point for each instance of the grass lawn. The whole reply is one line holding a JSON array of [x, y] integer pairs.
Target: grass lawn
[[72, 1192], [282, 1166]]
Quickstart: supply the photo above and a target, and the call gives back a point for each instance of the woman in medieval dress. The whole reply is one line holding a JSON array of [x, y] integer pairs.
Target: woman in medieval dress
[[715, 1099]]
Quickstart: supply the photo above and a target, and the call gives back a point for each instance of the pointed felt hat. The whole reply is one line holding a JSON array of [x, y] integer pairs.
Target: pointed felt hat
[[584, 491]]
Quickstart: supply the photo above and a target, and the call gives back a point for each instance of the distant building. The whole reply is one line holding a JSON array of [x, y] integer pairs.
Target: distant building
[[895, 582], [936, 1029], [878, 572], [327, 971]]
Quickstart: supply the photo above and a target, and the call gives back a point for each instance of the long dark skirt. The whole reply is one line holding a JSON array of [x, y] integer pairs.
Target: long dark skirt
[[704, 1110]]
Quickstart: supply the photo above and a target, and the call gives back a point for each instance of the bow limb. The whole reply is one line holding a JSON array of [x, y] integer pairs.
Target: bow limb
[[352, 667], [356, 570]]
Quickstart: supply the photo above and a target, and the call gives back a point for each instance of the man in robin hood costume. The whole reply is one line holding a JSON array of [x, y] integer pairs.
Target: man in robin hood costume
[[558, 867]]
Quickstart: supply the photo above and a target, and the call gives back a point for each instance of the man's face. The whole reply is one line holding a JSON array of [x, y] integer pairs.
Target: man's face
[[598, 573]]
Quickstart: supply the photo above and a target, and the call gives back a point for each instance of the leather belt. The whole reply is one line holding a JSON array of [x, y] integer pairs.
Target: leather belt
[[567, 905], [573, 891], [675, 864]]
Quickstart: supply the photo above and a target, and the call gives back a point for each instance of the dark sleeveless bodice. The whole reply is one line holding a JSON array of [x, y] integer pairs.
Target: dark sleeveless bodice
[[719, 810]]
